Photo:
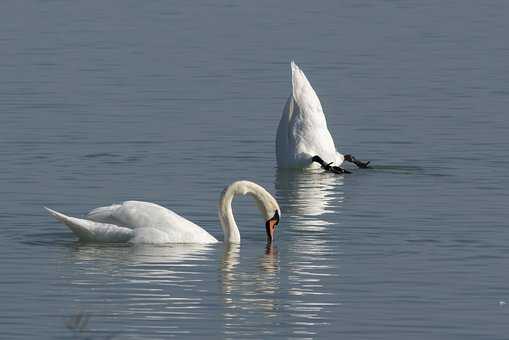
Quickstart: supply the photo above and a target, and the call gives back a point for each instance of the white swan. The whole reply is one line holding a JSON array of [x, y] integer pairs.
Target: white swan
[[303, 138], [144, 222]]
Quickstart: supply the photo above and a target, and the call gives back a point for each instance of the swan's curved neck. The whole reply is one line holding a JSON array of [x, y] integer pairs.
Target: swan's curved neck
[[261, 196]]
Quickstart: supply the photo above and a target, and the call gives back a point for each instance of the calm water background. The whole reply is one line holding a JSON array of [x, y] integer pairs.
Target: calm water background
[[168, 102]]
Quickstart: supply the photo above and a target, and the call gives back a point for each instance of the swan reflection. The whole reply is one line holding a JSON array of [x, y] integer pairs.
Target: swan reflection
[[269, 262], [136, 284], [250, 291], [229, 262], [306, 195], [139, 254], [310, 199]]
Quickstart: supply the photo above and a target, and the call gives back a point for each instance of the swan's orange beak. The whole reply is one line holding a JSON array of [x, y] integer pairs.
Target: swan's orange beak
[[270, 227]]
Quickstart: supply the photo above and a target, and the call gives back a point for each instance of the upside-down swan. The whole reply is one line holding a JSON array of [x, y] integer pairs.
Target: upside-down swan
[[302, 135]]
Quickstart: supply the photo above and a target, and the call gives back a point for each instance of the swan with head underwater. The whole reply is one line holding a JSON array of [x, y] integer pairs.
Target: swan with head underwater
[[303, 139], [144, 222]]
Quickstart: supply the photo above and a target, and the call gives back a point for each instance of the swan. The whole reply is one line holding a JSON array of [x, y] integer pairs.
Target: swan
[[145, 222], [303, 140]]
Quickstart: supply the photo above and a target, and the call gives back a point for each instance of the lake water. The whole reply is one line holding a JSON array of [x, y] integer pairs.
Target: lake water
[[102, 102]]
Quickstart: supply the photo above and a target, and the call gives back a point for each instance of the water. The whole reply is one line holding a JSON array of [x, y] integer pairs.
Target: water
[[103, 102]]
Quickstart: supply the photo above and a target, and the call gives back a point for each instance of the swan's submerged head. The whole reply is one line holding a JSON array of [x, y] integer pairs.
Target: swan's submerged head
[[270, 226]]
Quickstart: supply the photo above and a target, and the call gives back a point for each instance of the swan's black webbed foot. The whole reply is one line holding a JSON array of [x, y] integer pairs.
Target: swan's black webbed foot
[[360, 164], [329, 167], [337, 169]]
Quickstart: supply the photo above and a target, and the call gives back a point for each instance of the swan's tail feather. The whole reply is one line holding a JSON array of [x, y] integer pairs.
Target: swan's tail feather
[[75, 224], [303, 93], [93, 231]]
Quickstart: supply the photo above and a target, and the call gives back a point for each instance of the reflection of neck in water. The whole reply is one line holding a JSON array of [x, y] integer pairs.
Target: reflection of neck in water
[[308, 194], [248, 288], [229, 262], [231, 259]]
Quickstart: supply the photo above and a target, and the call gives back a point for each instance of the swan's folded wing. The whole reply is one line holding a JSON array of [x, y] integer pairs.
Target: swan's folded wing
[[135, 214], [109, 214], [147, 216]]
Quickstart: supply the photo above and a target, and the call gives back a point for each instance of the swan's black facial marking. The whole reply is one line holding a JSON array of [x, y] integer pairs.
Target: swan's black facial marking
[[276, 217], [270, 226]]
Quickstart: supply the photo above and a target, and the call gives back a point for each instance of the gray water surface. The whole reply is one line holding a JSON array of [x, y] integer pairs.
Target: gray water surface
[[166, 102]]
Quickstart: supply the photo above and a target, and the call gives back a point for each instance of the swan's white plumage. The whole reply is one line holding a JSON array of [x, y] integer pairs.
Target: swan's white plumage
[[302, 132], [144, 222], [150, 219]]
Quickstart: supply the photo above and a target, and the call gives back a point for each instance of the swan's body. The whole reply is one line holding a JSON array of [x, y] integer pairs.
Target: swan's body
[[144, 222], [302, 132]]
